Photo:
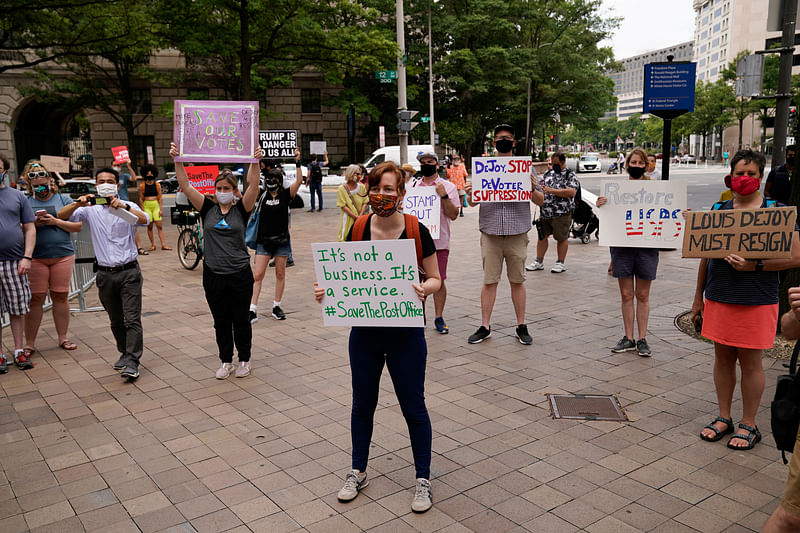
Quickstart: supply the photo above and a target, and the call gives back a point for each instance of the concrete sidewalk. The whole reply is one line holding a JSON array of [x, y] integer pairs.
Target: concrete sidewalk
[[181, 451]]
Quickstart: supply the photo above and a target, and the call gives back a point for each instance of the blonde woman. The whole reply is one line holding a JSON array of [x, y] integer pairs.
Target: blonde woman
[[352, 199], [635, 270]]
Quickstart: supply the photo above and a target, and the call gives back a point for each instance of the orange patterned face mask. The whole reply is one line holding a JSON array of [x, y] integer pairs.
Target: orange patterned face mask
[[383, 205]]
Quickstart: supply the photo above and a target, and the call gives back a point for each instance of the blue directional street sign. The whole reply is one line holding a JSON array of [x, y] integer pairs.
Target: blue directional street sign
[[669, 87]]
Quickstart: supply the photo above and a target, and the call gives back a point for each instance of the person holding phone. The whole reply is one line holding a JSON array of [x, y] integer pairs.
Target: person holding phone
[[53, 260], [119, 278]]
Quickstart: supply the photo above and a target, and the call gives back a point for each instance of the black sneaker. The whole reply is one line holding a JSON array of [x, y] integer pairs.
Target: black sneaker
[[253, 317], [624, 345], [130, 372], [121, 363], [643, 348], [277, 313], [523, 335], [290, 262], [480, 335]]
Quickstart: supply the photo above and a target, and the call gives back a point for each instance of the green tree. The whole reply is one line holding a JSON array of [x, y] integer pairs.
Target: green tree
[[245, 46]]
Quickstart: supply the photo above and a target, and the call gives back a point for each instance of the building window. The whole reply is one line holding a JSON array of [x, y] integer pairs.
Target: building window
[[714, 71], [139, 151], [715, 43], [306, 144], [142, 103], [716, 27], [701, 76], [310, 101], [714, 56]]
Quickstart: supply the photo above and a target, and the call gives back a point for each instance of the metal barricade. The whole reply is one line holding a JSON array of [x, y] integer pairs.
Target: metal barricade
[[83, 275]]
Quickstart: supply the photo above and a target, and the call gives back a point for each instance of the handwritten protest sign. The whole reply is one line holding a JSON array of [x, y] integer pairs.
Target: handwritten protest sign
[[425, 204], [207, 131], [318, 147], [202, 177], [278, 143], [120, 154], [642, 213], [501, 179], [54, 163], [368, 283], [750, 233]]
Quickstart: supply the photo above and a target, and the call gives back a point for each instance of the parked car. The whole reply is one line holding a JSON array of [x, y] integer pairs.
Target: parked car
[[169, 184], [76, 188], [589, 163], [688, 158]]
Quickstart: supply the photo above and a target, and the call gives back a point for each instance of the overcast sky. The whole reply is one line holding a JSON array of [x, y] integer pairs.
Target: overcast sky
[[649, 24]]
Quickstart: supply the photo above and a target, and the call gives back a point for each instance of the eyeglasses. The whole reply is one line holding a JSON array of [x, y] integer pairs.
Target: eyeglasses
[[37, 174]]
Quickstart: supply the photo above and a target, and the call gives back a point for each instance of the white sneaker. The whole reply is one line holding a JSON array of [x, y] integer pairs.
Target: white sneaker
[[558, 268], [243, 370], [423, 497], [353, 483], [536, 265], [225, 370]]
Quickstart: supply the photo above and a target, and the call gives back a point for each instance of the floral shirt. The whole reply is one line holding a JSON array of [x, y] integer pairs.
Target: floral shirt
[[555, 206]]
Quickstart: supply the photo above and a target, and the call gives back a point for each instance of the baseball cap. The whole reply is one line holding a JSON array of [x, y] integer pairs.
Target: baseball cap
[[427, 155]]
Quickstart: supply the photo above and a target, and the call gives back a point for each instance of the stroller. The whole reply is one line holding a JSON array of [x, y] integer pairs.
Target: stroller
[[584, 221]]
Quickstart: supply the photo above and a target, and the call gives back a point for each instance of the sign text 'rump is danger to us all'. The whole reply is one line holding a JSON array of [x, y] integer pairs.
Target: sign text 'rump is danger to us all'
[[368, 283]]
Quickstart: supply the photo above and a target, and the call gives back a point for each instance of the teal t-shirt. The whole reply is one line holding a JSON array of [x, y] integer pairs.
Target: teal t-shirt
[[51, 241]]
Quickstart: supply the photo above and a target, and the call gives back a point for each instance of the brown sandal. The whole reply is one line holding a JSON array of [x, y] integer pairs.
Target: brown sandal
[[68, 345]]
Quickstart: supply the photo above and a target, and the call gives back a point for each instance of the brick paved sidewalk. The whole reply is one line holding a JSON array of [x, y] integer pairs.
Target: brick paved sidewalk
[[181, 451]]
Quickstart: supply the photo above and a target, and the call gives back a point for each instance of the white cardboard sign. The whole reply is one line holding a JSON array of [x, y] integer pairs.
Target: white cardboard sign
[[642, 213], [318, 147], [501, 179], [368, 283], [425, 204]]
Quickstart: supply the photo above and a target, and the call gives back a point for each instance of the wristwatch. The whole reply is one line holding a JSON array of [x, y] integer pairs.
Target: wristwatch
[[759, 265], [127, 207], [445, 197]]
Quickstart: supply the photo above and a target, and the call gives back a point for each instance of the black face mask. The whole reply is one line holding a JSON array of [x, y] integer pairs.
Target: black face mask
[[504, 146], [557, 169], [272, 186], [636, 172], [427, 170]]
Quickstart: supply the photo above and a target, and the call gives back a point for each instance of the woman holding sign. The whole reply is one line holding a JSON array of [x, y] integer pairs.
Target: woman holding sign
[[53, 259], [635, 270], [227, 277], [402, 349], [740, 311]]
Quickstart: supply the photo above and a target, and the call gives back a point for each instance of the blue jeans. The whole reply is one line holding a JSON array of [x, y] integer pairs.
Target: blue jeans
[[405, 353], [312, 188]]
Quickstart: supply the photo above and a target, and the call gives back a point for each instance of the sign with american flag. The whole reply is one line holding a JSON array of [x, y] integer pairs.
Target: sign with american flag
[[642, 213]]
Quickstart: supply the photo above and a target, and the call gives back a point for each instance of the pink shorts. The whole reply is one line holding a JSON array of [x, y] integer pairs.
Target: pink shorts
[[441, 258], [51, 273], [743, 326]]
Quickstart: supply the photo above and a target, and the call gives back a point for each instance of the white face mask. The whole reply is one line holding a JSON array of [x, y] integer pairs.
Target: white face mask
[[106, 189], [224, 197]]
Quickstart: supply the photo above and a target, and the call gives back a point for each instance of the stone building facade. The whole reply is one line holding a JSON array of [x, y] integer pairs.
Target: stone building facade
[[29, 128]]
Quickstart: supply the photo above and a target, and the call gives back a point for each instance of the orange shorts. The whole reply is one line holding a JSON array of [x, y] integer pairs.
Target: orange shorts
[[51, 273]]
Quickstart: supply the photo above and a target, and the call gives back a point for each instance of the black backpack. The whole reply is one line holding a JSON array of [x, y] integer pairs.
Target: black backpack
[[316, 173], [785, 408]]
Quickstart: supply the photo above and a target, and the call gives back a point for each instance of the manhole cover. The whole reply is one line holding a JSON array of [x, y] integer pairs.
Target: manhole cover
[[586, 407]]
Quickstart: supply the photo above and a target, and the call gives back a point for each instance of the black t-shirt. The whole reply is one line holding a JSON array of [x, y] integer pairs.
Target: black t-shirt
[[781, 184], [428, 246], [223, 238], [274, 218]]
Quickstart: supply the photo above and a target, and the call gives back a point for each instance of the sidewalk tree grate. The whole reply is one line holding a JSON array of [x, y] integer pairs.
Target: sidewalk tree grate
[[586, 407]]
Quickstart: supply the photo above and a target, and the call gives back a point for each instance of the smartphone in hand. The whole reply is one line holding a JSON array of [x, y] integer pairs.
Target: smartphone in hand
[[98, 200]]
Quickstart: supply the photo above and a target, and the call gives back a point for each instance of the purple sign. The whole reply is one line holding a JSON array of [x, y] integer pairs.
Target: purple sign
[[216, 132]]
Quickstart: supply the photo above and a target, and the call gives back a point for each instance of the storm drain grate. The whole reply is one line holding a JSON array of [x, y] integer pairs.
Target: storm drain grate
[[586, 407]]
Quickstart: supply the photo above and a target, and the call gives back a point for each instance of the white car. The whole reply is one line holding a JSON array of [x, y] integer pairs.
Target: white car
[[589, 163]]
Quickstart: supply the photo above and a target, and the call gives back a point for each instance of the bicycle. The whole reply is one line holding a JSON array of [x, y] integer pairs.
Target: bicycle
[[190, 238]]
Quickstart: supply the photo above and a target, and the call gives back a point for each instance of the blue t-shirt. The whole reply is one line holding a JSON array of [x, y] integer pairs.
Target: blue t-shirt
[[725, 284], [14, 209], [124, 177], [51, 241]]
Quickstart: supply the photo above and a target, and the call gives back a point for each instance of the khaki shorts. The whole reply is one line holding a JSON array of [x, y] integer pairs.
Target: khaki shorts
[[558, 227], [791, 494], [511, 248]]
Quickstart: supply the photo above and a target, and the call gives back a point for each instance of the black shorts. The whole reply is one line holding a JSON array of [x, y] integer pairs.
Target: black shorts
[[634, 262]]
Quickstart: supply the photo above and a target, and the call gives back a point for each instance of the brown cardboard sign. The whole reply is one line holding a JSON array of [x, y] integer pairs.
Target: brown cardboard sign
[[55, 163], [749, 233]]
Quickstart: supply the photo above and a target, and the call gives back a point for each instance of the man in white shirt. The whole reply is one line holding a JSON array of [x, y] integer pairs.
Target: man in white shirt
[[119, 279]]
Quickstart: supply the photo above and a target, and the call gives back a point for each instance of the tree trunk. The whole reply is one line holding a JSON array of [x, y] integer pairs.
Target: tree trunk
[[244, 53], [741, 127]]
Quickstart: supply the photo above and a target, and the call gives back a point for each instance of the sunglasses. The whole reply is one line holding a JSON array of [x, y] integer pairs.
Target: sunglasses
[[37, 174]]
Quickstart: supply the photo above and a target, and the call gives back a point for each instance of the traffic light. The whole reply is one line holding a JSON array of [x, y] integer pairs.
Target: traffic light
[[405, 117], [552, 137], [792, 115]]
